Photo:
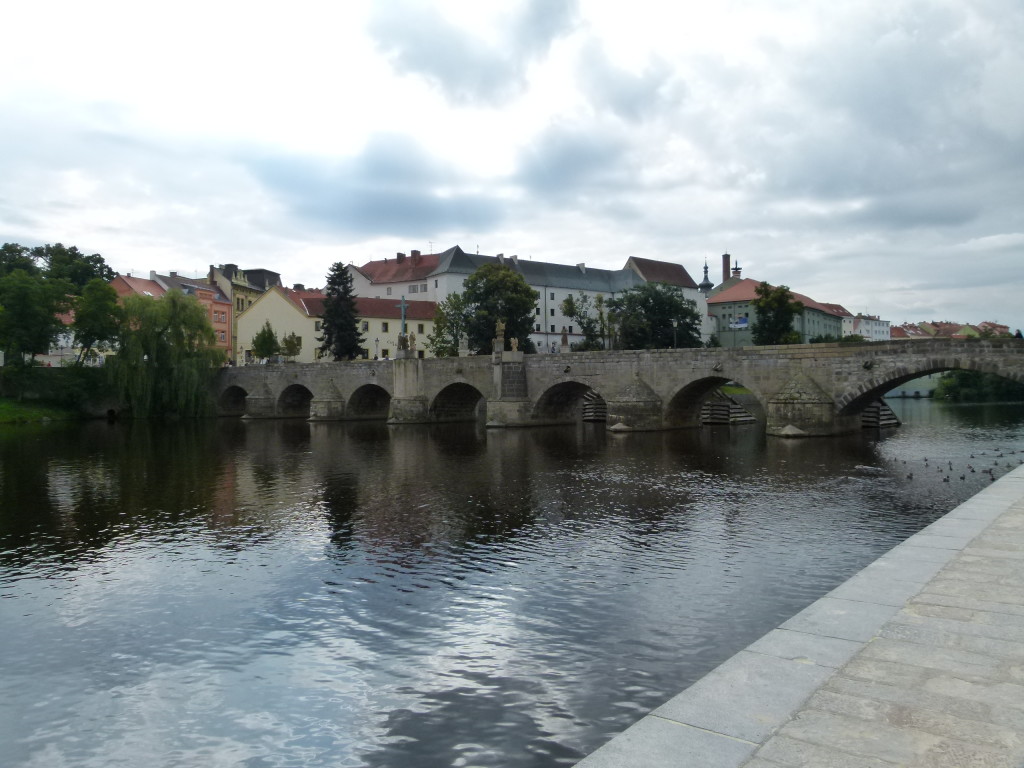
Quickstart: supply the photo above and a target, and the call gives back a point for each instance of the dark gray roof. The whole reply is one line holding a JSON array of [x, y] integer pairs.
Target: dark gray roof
[[543, 274], [189, 285]]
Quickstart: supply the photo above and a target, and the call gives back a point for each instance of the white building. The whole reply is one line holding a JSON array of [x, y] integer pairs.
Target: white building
[[435, 276]]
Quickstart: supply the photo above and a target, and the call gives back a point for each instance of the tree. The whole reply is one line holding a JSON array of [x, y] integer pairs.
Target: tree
[[977, 387], [776, 309], [265, 343], [97, 317], [29, 323], [14, 256], [590, 326], [451, 320], [496, 292], [166, 358], [60, 262], [291, 345], [645, 314], [341, 338]]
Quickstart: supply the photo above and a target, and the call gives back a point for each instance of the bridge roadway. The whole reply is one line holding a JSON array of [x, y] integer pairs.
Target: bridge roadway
[[916, 661], [797, 390]]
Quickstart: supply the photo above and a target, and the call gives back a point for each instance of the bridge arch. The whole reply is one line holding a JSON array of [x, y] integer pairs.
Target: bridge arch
[[293, 402], [458, 401], [231, 401], [685, 407], [569, 402], [874, 388], [370, 401]]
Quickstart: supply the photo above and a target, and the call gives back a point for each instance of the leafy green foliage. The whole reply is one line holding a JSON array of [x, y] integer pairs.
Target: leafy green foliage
[[496, 292], [977, 387], [28, 320], [291, 345], [14, 256], [63, 263], [644, 315], [97, 317], [265, 343], [776, 310], [341, 338], [166, 358], [451, 321], [592, 326]]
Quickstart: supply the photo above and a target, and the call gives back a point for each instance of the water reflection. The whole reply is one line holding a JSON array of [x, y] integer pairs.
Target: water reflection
[[268, 593]]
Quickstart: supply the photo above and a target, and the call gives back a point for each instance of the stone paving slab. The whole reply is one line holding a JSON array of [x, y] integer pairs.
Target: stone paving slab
[[916, 661]]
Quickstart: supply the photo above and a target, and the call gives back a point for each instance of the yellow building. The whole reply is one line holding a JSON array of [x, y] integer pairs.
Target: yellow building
[[301, 312]]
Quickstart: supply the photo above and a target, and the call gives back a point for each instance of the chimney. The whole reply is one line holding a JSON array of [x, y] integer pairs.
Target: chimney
[[725, 266], [501, 257], [174, 274], [515, 259], [298, 287], [582, 267], [736, 270], [415, 255], [400, 257]]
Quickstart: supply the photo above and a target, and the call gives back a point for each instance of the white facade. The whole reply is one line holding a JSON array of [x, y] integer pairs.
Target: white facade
[[869, 326], [434, 277]]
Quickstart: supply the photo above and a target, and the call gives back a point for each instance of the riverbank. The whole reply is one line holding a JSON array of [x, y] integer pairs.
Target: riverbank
[[915, 661], [19, 412]]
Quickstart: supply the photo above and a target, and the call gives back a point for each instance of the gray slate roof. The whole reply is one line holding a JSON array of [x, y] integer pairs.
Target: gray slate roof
[[543, 274]]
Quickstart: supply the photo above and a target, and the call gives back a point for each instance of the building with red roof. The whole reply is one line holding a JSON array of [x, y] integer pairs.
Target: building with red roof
[[435, 276], [730, 305], [301, 311]]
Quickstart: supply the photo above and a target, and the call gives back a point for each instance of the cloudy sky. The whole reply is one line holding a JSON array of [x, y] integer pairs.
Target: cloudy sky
[[867, 153]]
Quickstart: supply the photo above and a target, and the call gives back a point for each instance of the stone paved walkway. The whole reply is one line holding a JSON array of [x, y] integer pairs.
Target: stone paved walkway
[[916, 661]]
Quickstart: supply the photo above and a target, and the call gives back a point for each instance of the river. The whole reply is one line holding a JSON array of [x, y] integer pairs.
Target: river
[[245, 593]]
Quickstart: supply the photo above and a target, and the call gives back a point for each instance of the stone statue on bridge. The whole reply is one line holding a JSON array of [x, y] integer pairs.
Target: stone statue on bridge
[[499, 338]]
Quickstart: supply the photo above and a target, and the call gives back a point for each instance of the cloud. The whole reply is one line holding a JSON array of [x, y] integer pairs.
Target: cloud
[[631, 96], [420, 40], [567, 163], [391, 187]]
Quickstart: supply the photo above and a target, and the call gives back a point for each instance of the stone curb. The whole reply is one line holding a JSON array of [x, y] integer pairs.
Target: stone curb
[[725, 717]]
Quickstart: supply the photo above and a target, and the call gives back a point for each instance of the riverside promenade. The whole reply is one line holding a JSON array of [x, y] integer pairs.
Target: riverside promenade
[[916, 661]]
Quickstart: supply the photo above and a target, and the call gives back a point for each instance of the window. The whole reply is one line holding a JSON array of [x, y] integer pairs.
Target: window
[[419, 328], [435, 283], [552, 295], [536, 310], [552, 312], [384, 327], [552, 329], [414, 289], [389, 290], [536, 327], [570, 329], [364, 326], [423, 288], [318, 325]]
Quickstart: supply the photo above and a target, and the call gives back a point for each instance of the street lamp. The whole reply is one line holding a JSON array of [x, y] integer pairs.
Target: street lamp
[[675, 324]]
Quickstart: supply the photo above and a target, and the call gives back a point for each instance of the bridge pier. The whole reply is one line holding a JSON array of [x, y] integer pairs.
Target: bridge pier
[[326, 409], [260, 407], [408, 410], [635, 407], [509, 413]]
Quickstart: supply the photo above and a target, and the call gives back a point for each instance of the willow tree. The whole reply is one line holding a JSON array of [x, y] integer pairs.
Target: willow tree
[[166, 358]]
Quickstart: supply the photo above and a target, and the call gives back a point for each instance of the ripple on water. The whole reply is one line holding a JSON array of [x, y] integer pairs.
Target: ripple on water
[[337, 596]]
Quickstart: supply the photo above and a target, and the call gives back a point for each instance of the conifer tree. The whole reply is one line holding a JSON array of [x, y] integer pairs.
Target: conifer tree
[[341, 337]]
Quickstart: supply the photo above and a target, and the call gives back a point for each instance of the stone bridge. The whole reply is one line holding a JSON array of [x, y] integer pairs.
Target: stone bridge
[[796, 390]]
